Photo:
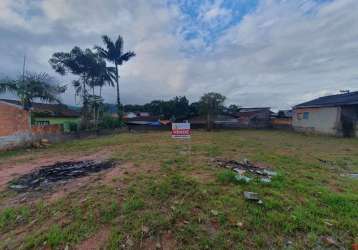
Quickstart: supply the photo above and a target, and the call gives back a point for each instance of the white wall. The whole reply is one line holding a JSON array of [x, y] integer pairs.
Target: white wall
[[320, 120], [15, 140]]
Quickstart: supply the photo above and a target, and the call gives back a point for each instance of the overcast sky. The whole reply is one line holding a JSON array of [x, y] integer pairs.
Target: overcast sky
[[274, 53]]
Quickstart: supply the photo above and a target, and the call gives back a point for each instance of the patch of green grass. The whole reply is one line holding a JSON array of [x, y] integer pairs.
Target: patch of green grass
[[7, 217], [227, 176], [55, 236], [132, 204], [108, 213], [11, 216], [115, 239]]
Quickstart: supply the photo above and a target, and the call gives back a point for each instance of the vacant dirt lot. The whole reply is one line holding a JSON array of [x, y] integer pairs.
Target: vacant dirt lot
[[168, 194]]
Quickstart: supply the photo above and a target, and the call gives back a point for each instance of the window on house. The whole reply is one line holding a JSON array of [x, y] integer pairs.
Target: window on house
[[299, 116], [306, 115]]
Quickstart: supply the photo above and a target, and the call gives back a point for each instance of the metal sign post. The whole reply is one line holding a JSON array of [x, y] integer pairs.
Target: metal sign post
[[182, 131]]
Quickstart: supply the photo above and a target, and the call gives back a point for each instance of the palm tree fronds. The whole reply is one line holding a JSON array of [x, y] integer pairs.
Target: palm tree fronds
[[125, 57], [102, 52], [108, 42], [119, 45]]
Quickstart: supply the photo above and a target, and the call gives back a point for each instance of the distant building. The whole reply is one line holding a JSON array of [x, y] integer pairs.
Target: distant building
[[332, 115], [245, 118], [47, 114], [146, 120], [129, 115], [19, 127], [147, 123], [135, 114], [254, 117], [220, 121], [143, 114], [282, 119]]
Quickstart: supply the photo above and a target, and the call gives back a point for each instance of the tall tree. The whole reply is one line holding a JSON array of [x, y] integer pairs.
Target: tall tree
[[92, 71], [31, 86], [211, 104], [114, 53]]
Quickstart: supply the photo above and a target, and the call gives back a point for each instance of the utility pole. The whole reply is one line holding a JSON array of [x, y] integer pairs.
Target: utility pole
[[23, 69]]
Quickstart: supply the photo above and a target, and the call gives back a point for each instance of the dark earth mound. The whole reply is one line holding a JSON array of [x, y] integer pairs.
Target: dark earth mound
[[47, 176]]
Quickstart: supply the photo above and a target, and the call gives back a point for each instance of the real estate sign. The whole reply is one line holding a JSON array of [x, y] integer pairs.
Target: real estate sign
[[181, 130]]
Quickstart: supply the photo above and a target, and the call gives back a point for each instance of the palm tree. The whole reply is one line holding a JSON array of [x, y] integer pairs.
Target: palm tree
[[114, 53], [91, 69], [33, 86], [101, 75]]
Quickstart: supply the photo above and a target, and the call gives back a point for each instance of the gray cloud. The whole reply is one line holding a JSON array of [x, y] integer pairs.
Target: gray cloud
[[283, 53]]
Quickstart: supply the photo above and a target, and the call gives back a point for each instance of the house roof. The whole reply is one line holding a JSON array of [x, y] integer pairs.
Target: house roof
[[331, 101], [142, 118], [202, 119], [243, 110], [45, 110], [251, 112]]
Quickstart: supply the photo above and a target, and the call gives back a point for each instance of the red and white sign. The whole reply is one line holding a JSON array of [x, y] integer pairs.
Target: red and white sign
[[181, 130]]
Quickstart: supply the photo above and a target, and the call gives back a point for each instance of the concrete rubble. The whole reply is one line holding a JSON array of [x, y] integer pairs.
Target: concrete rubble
[[246, 170], [253, 197]]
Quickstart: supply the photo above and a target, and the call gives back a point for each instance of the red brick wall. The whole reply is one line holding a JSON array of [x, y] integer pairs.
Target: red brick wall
[[13, 120], [46, 129]]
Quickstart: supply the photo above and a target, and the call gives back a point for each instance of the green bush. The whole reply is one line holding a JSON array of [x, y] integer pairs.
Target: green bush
[[110, 122], [73, 127]]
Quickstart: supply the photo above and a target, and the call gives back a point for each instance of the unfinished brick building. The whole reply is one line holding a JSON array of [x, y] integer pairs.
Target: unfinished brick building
[[15, 124]]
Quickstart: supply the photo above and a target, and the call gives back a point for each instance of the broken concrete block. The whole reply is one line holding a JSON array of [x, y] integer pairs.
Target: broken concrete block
[[265, 180], [253, 197], [242, 178]]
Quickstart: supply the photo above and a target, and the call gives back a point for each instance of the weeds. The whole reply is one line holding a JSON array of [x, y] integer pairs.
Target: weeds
[[132, 204], [227, 176], [11, 216]]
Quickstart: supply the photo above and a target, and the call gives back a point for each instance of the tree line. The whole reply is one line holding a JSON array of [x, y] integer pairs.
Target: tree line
[[179, 107]]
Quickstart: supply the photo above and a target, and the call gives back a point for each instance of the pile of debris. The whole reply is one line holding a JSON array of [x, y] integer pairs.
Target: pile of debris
[[246, 170], [43, 143], [46, 176]]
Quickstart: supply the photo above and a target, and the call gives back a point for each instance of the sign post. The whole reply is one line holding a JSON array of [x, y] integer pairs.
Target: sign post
[[182, 131]]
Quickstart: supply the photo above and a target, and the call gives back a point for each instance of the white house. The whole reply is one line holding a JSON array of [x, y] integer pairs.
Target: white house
[[332, 115]]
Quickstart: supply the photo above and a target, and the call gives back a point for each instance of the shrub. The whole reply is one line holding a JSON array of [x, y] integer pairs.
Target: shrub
[[110, 122], [73, 127]]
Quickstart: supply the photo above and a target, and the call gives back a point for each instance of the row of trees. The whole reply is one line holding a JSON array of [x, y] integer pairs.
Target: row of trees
[[179, 107]]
